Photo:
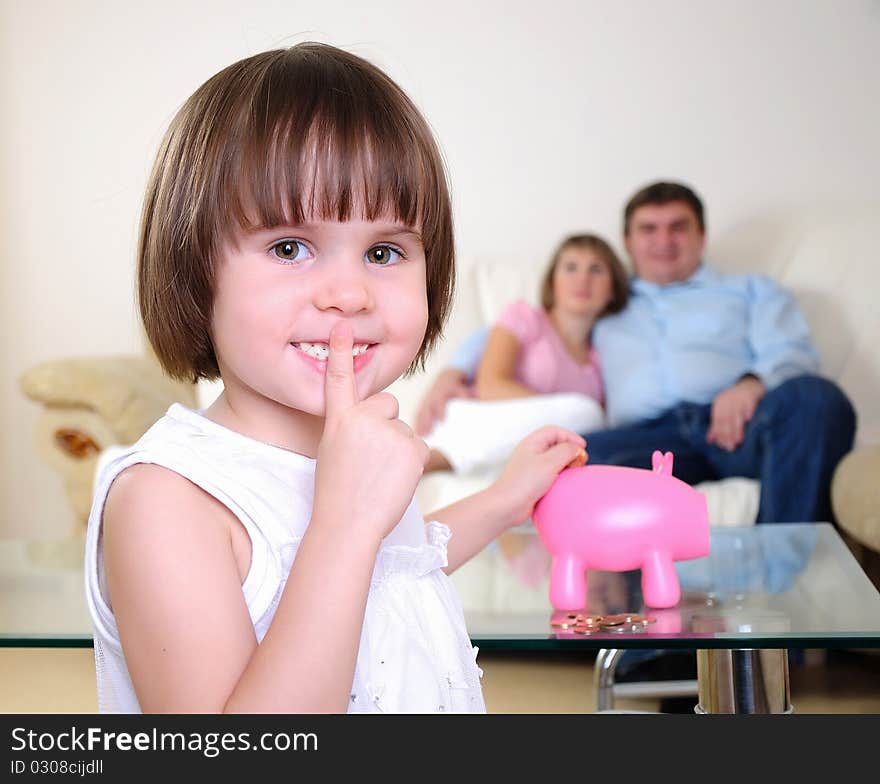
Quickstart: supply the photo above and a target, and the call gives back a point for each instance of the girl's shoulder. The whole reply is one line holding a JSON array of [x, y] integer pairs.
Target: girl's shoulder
[[146, 505], [154, 500], [186, 460], [155, 463], [152, 483], [161, 485]]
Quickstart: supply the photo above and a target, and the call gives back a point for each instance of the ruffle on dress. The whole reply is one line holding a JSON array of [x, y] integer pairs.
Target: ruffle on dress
[[415, 655], [394, 560]]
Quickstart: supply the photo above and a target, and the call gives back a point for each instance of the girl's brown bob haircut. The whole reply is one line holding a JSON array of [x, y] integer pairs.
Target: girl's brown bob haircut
[[619, 276], [309, 132]]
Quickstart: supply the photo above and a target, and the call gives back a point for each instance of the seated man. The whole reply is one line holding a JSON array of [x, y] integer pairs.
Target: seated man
[[718, 369]]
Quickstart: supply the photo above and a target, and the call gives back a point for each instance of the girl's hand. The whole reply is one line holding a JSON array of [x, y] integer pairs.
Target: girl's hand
[[534, 464], [369, 461]]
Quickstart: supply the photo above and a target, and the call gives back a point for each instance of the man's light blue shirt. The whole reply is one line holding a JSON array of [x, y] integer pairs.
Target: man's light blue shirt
[[688, 341]]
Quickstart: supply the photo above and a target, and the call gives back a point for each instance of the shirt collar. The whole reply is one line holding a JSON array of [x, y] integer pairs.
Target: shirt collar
[[703, 275]]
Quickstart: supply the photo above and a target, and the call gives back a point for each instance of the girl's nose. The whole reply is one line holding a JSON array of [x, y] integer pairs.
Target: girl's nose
[[344, 287]]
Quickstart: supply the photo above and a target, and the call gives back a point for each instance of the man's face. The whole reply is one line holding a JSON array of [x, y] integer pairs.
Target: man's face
[[665, 242]]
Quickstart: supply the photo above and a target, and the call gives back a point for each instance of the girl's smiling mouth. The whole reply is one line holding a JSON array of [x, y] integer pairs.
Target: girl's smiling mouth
[[315, 354]]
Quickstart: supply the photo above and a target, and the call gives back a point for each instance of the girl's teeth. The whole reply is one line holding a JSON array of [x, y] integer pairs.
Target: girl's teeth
[[322, 350]]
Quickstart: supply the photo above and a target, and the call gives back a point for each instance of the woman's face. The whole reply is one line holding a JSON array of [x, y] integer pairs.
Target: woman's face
[[582, 283]]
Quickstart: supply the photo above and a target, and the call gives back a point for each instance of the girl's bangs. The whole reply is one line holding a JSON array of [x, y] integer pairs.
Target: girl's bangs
[[331, 171]]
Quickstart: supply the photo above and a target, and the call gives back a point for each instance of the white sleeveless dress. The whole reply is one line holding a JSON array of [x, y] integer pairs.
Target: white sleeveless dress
[[415, 655]]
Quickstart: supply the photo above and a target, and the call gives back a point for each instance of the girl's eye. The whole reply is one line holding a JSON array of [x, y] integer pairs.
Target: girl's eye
[[597, 269], [382, 255], [290, 251]]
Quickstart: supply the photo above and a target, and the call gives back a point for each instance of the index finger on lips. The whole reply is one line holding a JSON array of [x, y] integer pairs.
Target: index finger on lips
[[340, 392]]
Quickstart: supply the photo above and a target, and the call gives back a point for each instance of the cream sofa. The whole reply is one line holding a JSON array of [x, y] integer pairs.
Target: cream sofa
[[828, 262]]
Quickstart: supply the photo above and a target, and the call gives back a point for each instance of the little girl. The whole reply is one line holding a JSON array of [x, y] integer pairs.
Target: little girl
[[266, 554], [538, 366]]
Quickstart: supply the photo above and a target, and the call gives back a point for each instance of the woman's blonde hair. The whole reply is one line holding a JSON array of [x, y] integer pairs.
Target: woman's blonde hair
[[281, 137], [619, 276]]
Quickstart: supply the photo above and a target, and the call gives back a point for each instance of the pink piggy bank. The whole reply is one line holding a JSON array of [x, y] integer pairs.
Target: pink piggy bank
[[616, 519]]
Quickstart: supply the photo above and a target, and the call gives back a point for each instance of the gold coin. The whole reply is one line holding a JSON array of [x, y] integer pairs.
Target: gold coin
[[579, 459]]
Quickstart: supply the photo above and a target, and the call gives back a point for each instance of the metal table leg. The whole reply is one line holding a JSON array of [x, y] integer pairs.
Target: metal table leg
[[743, 681], [606, 664], [607, 690]]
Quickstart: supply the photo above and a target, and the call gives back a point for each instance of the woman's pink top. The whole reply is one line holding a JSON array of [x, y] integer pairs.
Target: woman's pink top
[[544, 363]]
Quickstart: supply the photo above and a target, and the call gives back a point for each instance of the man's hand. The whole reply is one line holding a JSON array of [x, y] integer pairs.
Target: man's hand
[[449, 384], [732, 410]]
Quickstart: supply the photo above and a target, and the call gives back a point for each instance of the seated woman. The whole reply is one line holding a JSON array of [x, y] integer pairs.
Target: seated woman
[[538, 367]]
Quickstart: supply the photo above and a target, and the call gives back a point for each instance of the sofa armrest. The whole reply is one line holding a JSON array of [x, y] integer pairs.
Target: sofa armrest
[[855, 495], [855, 500], [90, 404]]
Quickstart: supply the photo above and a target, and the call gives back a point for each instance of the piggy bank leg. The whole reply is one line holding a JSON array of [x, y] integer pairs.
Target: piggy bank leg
[[660, 586], [568, 583]]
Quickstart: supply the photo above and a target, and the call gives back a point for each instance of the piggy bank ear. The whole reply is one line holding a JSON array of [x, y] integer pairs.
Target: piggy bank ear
[[660, 463]]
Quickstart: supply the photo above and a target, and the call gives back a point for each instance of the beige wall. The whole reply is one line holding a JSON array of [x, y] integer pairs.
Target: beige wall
[[549, 115]]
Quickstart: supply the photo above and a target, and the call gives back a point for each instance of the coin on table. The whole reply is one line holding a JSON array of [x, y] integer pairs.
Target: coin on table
[[563, 619]]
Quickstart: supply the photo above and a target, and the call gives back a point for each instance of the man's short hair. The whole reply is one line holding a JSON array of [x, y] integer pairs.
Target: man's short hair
[[663, 193]]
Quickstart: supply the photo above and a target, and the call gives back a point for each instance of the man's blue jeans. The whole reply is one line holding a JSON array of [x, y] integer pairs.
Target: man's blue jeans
[[800, 431], [798, 434]]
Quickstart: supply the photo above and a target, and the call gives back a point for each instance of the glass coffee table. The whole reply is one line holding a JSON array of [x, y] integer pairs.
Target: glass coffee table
[[761, 591]]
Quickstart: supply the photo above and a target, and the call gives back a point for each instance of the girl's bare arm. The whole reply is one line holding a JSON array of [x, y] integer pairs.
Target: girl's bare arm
[[475, 521], [188, 639], [531, 469]]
